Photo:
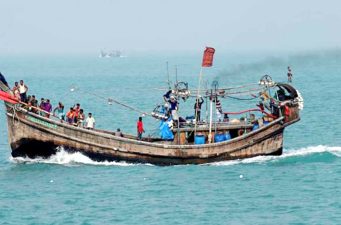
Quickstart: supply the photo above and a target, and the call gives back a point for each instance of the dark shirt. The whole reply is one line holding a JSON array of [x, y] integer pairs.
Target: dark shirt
[[34, 102], [173, 105], [200, 102], [274, 109], [167, 95]]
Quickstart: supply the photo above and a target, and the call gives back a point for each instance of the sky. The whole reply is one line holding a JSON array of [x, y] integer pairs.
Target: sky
[[86, 26]]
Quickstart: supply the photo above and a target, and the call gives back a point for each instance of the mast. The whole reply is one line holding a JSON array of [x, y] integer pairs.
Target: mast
[[207, 61], [215, 85], [197, 104], [211, 109]]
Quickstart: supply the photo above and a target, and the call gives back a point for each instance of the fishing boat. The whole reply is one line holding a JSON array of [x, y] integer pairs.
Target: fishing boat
[[33, 135], [110, 54], [194, 142]]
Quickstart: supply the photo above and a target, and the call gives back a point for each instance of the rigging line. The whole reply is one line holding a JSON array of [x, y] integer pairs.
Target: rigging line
[[246, 99], [121, 103], [246, 91], [240, 87], [227, 88], [235, 87], [117, 102], [239, 92]]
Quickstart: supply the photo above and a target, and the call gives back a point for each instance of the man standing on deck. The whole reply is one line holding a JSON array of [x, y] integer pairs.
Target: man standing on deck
[[15, 90], [289, 75], [174, 109], [166, 96], [219, 110], [90, 122], [140, 129], [197, 107], [23, 91]]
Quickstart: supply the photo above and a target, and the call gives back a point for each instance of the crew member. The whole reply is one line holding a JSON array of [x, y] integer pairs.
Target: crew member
[[77, 109], [289, 75], [23, 91], [80, 118], [140, 129], [118, 133], [60, 111], [70, 116], [48, 108], [174, 108], [90, 122], [197, 107], [166, 96], [16, 91], [219, 109]]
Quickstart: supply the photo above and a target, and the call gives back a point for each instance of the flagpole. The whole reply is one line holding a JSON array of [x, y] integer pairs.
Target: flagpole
[[197, 103], [206, 62]]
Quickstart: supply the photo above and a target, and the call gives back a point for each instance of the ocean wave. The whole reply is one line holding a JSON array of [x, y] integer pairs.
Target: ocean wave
[[288, 153]]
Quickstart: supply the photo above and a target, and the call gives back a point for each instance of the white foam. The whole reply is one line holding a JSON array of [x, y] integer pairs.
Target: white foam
[[63, 157], [286, 154]]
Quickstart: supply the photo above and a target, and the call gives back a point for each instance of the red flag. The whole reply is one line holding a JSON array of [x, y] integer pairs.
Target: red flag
[[207, 60]]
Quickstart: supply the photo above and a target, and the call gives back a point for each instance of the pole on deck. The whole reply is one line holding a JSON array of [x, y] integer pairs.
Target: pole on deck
[[211, 112], [197, 103]]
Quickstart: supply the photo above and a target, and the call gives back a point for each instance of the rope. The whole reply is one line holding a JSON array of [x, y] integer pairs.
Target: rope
[[244, 111], [232, 88], [250, 110], [243, 99], [110, 100]]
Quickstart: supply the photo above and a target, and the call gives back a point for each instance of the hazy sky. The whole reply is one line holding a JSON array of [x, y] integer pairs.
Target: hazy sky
[[45, 26]]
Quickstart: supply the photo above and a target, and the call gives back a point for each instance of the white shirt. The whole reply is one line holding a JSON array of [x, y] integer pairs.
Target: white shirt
[[90, 122], [22, 88]]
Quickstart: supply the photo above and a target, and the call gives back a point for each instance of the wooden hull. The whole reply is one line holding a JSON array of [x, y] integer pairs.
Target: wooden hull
[[32, 135]]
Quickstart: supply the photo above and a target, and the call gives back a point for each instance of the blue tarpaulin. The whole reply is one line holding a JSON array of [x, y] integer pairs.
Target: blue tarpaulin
[[165, 131]]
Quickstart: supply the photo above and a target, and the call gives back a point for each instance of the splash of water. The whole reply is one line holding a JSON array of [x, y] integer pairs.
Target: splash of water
[[286, 154], [63, 157]]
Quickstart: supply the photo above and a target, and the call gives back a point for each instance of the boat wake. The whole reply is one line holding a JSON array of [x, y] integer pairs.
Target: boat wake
[[63, 157], [287, 154]]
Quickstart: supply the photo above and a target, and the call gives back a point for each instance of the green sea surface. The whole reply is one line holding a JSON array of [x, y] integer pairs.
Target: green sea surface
[[303, 186]]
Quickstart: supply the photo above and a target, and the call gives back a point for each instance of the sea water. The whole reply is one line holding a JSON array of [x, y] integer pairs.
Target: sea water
[[303, 186]]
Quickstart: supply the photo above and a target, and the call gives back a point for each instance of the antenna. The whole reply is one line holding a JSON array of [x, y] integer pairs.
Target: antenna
[[215, 85], [176, 73], [169, 86]]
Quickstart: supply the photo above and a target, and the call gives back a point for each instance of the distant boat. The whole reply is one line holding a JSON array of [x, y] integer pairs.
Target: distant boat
[[111, 54]]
